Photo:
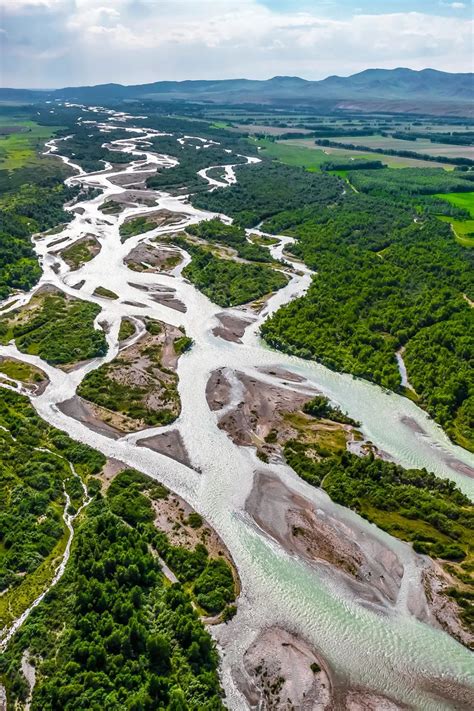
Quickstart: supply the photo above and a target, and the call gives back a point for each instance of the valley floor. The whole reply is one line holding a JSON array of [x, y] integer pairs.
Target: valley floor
[[224, 516]]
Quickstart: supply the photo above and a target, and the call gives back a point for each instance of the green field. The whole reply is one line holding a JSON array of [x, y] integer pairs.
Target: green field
[[463, 229], [305, 153], [291, 153], [20, 147], [420, 145], [390, 161], [464, 200]]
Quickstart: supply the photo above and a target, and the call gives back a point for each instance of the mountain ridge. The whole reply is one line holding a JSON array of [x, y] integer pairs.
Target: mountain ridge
[[416, 88]]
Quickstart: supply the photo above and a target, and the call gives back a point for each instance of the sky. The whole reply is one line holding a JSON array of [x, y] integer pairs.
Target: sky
[[56, 43]]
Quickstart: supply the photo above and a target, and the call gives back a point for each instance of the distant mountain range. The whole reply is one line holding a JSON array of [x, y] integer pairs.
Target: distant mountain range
[[397, 90]]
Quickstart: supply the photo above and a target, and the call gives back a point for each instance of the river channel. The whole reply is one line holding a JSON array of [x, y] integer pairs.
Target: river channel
[[392, 653]]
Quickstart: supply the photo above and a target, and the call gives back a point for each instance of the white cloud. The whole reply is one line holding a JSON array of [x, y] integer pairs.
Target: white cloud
[[17, 6], [454, 5], [133, 41]]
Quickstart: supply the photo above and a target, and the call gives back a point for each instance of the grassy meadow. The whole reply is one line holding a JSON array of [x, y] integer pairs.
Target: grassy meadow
[[20, 140], [463, 229], [305, 153]]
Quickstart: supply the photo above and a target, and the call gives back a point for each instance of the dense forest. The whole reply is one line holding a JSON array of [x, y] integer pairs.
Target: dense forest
[[416, 182], [262, 190], [209, 580], [385, 281], [439, 359], [226, 282], [87, 149], [35, 472], [113, 632]]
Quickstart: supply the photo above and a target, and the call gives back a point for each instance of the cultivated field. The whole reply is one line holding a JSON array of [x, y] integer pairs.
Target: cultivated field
[[269, 130], [390, 161], [421, 145], [291, 154]]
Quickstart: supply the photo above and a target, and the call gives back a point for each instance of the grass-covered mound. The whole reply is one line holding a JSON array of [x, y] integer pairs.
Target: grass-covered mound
[[137, 226], [126, 330], [80, 252], [105, 293]]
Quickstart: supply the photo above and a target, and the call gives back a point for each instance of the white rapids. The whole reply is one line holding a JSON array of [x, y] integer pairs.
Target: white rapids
[[384, 653]]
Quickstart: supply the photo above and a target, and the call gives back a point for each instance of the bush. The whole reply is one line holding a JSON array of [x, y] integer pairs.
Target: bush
[[195, 520]]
